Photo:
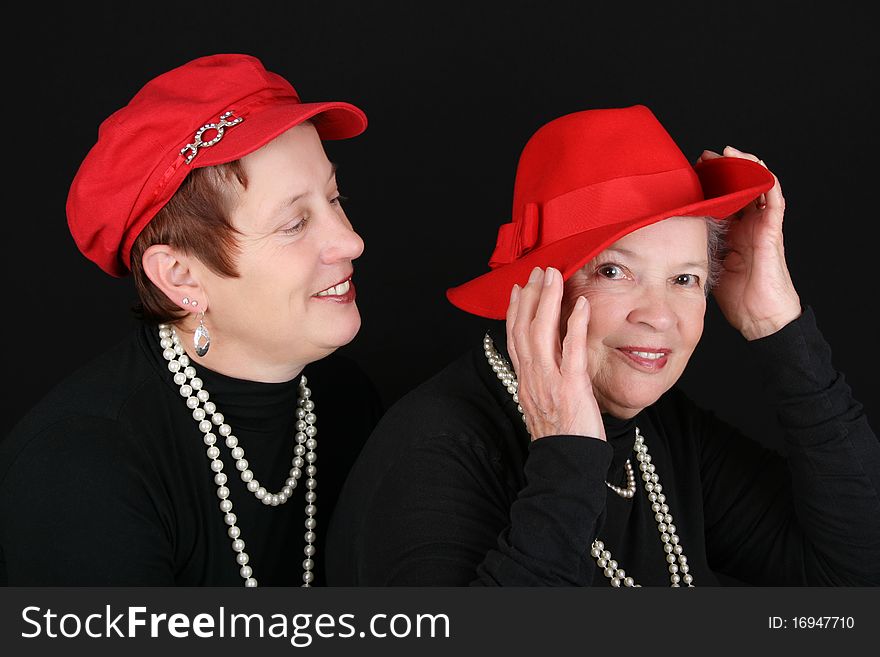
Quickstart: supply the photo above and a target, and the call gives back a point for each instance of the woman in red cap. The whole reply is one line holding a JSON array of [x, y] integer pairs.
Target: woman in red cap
[[560, 452], [211, 186]]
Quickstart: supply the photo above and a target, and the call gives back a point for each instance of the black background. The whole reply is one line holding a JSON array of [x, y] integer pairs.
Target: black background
[[453, 90]]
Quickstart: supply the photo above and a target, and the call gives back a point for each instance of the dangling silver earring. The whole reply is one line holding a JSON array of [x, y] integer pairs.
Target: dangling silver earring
[[202, 338]]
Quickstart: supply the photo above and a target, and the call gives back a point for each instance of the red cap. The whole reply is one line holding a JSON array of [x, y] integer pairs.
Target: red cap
[[209, 111], [585, 180]]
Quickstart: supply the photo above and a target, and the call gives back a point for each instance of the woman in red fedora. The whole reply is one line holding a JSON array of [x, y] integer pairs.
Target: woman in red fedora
[[187, 454], [560, 451]]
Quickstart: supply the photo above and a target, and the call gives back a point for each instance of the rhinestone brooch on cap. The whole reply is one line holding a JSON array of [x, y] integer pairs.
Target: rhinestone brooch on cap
[[220, 127]]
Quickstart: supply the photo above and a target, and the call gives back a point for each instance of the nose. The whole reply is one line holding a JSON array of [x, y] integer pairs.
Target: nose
[[341, 242], [653, 308]]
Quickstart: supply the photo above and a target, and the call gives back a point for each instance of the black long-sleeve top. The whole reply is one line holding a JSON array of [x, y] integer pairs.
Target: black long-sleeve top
[[450, 491], [106, 482]]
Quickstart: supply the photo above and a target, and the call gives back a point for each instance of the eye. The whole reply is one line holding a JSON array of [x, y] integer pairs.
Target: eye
[[610, 271], [297, 227], [687, 280], [338, 199]]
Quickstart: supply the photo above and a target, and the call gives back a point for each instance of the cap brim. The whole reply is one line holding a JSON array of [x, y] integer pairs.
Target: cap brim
[[729, 184], [332, 120]]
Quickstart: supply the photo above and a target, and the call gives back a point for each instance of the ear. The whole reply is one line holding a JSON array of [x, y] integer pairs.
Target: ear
[[177, 276]]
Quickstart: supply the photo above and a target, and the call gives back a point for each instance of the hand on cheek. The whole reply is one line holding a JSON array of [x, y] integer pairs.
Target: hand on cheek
[[554, 390]]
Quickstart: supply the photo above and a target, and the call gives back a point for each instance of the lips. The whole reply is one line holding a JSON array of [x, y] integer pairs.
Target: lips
[[336, 290], [341, 292], [646, 359]]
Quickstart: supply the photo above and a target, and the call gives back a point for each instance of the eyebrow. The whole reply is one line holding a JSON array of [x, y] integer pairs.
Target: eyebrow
[[631, 254], [286, 203]]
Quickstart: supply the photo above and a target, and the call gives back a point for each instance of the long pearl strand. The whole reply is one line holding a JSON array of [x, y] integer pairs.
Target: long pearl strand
[[675, 557], [197, 400]]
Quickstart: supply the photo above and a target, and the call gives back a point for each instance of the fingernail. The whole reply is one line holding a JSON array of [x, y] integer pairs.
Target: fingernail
[[536, 275], [514, 293], [580, 303], [549, 276], [735, 150]]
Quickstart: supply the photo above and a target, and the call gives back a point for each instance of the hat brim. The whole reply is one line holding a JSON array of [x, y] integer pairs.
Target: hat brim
[[332, 120], [729, 184]]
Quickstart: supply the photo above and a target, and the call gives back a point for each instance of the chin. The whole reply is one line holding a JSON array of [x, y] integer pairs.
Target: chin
[[627, 405], [341, 333]]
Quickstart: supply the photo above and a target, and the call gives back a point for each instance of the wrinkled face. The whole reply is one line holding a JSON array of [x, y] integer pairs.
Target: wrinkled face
[[647, 304], [292, 302]]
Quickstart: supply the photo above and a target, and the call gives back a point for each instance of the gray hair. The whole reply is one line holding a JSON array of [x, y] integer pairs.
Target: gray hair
[[717, 244]]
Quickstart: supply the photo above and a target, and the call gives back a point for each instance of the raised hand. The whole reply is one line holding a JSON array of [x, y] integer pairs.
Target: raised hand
[[554, 385], [755, 293]]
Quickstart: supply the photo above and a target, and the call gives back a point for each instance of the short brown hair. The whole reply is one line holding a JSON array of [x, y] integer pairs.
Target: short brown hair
[[197, 221]]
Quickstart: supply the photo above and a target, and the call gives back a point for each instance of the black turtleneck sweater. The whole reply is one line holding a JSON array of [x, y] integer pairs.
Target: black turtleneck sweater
[[106, 482], [450, 491]]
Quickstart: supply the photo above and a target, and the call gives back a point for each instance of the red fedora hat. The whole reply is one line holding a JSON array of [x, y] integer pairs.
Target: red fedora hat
[[585, 180]]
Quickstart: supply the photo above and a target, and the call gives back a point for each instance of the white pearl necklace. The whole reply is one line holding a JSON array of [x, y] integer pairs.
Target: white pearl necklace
[[653, 489], [304, 452], [630, 489]]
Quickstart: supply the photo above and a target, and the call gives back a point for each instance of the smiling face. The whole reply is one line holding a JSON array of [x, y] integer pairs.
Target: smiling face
[[293, 302], [647, 303]]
